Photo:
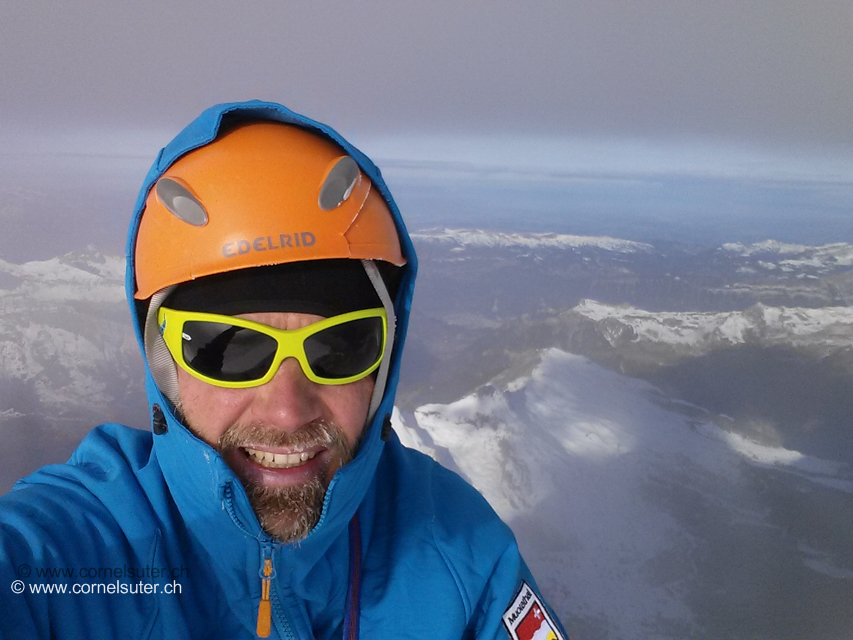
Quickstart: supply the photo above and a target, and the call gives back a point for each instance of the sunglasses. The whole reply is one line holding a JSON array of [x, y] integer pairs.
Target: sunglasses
[[226, 351]]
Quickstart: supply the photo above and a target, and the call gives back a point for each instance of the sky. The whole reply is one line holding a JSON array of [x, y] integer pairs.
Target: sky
[[770, 72], [533, 89]]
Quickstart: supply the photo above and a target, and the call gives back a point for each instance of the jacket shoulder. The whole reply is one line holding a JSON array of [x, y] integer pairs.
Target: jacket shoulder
[[70, 524], [454, 506], [468, 565], [430, 517], [103, 488], [109, 452]]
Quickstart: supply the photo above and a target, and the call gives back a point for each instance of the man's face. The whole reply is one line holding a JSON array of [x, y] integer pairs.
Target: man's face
[[284, 439]]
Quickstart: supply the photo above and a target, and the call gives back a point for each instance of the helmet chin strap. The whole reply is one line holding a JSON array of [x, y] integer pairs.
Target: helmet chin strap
[[160, 361], [162, 365], [382, 373]]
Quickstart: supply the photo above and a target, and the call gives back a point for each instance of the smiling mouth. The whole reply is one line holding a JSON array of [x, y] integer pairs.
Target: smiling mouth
[[279, 460]]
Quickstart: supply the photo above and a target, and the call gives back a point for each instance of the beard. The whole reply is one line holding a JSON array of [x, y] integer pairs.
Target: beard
[[290, 513]]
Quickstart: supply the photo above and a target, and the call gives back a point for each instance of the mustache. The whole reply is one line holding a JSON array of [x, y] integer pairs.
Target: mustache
[[316, 433]]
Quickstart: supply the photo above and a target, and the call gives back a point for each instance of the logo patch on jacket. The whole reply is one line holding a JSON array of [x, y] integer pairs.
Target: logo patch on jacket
[[527, 619]]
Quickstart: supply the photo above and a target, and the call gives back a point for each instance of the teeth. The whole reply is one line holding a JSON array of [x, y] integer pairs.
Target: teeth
[[279, 460]]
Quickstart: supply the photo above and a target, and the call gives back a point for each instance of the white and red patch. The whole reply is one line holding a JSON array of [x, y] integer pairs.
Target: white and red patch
[[526, 618]]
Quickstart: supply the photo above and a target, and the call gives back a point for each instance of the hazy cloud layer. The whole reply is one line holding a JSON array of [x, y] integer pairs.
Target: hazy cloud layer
[[764, 71], [596, 116]]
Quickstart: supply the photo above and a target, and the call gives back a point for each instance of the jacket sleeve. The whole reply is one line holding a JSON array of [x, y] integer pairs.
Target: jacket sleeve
[[511, 606], [24, 604], [59, 539]]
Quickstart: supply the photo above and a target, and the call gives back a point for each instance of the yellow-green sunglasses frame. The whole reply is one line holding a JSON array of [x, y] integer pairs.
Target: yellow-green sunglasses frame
[[290, 343]]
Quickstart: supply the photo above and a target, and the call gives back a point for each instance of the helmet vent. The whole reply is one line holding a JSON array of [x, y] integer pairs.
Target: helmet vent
[[180, 202], [339, 183]]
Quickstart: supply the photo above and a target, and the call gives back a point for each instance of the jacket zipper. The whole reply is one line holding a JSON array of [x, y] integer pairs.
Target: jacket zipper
[[263, 627], [265, 607], [269, 602]]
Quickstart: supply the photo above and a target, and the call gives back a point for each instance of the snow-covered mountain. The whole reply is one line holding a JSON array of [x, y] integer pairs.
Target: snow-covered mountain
[[68, 358], [479, 238], [768, 255], [88, 275], [498, 274], [61, 315], [787, 257], [700, 332], [639, 515]]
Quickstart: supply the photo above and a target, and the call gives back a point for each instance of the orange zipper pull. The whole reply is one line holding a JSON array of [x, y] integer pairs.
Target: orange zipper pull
[[265, 607]]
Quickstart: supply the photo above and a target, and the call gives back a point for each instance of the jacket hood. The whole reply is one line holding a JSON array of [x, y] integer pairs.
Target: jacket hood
[[202, 485]]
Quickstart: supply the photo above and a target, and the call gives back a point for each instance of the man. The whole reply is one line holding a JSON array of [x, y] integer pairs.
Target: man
[[270, 278]]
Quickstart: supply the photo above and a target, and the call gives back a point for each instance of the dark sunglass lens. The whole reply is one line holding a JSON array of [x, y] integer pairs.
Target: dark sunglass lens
[[228, 353], [345, 349]]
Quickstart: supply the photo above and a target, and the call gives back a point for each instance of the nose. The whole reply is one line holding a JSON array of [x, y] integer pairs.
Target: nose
[[288, 401]]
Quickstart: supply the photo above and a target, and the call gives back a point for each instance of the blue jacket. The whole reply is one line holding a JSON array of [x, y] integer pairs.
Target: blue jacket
[[151, 534]]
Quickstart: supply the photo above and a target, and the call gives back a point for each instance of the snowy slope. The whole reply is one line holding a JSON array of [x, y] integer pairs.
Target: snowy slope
[[88, 276], [771, 254], [66, 345], [598, 475], [492, 239], [701, 331]]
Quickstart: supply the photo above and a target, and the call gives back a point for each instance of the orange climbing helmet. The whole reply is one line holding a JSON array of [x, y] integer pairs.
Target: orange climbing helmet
[[261, 193]]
